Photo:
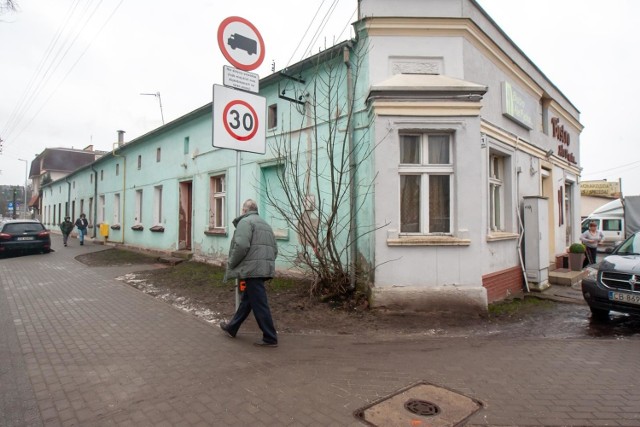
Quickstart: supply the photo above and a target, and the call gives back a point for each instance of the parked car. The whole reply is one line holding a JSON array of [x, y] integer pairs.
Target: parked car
[[614, 283], [24, 235]]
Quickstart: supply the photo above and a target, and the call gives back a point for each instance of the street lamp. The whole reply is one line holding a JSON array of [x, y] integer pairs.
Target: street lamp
[[157, 95], [24, 208]]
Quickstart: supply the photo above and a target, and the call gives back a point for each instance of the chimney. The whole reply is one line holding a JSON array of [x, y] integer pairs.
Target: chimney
[[120, 138]]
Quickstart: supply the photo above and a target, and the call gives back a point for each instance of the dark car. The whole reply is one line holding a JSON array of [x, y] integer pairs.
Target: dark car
[[24, 235], [614, 283]]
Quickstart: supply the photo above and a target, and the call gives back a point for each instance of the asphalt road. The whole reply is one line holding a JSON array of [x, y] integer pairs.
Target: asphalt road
[[80, 348]]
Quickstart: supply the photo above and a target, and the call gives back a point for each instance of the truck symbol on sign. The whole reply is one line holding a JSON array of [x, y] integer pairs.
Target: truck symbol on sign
[[237, 41]]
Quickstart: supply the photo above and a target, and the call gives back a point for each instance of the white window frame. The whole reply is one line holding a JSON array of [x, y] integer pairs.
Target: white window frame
[[497, 173], [217, 203], [101, 208], [157, 205], [137, 220], [116, 209], [425, 171]]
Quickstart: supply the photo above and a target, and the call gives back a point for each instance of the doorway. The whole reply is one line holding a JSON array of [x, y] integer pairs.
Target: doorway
[[547, 191], [185, 215], [568, 212]]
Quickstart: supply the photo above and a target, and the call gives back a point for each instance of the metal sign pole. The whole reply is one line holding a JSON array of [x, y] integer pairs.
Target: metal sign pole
[[238, 175]]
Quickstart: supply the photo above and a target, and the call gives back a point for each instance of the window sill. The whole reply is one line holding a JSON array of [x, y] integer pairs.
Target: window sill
[[137, 227], [115, 227], [428, 241], [497, 236], [216, 232], [157, 229]]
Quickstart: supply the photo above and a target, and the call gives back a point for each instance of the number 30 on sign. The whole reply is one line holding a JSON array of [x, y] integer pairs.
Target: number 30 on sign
[[238, 120]]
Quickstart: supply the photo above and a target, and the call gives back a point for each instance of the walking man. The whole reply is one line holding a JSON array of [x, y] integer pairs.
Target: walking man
[[252, 259], [66, 227], [81, 225]]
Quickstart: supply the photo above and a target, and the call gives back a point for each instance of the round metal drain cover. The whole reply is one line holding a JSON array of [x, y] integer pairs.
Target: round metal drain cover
[[422, 407]]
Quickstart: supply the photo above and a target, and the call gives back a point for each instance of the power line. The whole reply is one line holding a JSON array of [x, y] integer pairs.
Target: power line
[[45, 56], [72, 67], [323, 23], [348, 22], [305, 33], [53, 66], [614, 168]]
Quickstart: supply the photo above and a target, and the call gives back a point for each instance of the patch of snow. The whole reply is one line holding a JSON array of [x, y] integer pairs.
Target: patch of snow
[[179, 302]]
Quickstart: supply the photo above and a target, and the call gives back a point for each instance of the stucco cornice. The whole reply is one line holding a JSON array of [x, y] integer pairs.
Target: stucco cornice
[[525, 146], [567, 117], [423, 108], [457, 27]]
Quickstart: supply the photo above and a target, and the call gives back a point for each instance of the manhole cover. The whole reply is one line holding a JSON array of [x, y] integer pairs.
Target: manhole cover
[[421, 407]]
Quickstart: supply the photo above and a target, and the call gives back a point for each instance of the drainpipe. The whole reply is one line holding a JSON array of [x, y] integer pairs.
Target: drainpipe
[[124, 182], [353, 248], [95, 202]]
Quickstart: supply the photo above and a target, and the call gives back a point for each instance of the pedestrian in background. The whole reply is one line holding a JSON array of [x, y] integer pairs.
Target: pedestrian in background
[[590, 240], [66, 227], [252, 259], [81, 225]]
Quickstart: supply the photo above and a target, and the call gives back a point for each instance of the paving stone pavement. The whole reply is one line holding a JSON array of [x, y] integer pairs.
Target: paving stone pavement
[[79, 348]]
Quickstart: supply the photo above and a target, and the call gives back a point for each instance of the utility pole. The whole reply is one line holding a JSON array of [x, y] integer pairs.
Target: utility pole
[[14, 204]]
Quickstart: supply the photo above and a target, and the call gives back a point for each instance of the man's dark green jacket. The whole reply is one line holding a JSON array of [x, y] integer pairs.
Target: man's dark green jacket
[[253, 249]]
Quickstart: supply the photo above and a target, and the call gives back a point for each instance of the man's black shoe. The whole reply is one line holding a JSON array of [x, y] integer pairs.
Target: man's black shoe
[[225, 327], [265, 344]]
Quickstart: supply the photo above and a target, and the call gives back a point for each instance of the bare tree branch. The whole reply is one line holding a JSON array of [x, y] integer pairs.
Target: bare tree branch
[[316, 175]]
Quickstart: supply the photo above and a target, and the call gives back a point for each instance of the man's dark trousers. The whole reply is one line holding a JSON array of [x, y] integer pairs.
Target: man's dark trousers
[[255, 298]]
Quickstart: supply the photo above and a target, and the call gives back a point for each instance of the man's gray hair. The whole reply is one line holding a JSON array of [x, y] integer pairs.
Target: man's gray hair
[[250, 205]]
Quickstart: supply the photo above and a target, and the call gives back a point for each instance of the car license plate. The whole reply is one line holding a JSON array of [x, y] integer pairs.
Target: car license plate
[[624, 297], [25, 238]]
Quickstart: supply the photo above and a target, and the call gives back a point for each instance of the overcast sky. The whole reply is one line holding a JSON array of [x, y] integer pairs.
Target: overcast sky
[[72, 72]]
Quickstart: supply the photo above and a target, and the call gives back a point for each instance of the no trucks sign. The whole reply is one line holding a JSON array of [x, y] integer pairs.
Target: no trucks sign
[[241, 43]]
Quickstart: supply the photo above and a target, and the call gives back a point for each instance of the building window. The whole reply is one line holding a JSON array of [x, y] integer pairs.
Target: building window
[[186, 145], [157, 205], [426, 177], [91, 178], [101, 174], [101, 209], [217, 197], [117, 169], [139, 161], [74, 185], [116, 209], [158, 154], [496, 192], [272, 116], [138, 218]]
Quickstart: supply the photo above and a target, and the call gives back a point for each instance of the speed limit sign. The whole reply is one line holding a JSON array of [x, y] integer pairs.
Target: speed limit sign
[[238, 120]]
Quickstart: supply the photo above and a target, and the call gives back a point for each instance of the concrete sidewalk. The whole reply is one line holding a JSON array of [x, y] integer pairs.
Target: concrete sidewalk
[[79, 348]]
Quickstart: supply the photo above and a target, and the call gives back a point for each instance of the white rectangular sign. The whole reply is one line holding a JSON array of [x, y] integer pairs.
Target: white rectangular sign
[[239, 120], [239, 79]]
